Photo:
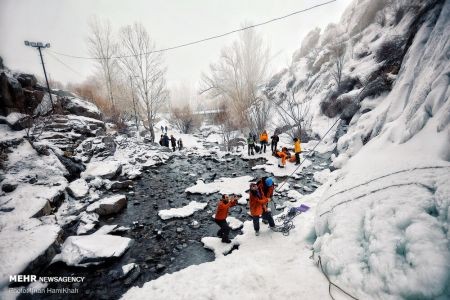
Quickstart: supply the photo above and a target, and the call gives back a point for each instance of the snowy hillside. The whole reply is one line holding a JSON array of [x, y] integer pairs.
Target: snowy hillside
[[380, 224]]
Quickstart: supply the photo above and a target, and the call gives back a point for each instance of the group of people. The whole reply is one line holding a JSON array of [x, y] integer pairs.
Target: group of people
[[172, 141], [282, 154], [261, 194]]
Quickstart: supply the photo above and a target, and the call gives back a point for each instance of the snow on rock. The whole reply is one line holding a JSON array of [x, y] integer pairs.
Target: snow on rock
[[41, 184], [233, 222], [103, 169], [92, 249], [81, 107], [19, 247], [105, 229], [109, 205], [293, 194], [87, 222], [181, 212], [78, 188], [223, 185], [215, 244], [322, 176], [271, 166]]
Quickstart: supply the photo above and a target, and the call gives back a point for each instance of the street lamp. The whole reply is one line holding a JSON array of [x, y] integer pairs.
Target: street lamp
[[40, 45]]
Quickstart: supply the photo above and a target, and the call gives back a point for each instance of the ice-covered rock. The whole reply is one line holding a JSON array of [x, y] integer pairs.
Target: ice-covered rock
[[78, 188], [92, 249], [108, 205]]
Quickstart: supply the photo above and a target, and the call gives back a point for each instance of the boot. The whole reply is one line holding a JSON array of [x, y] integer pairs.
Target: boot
[[226, 240]]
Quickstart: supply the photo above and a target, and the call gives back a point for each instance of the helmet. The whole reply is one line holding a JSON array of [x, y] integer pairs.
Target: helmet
[[269, 181]]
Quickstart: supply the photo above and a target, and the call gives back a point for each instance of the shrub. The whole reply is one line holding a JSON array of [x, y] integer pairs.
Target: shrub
[[391, 51]]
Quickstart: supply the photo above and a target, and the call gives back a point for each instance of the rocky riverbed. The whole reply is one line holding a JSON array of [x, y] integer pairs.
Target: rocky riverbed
[[165, 246]]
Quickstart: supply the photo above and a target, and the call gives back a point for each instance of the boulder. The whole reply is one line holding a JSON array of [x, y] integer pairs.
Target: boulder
[[9, 187], [78, 188], [92, 249], [119, 185], [18, 121], [109, 205], [11, 94], [81, 107], [103, 169], [27, 80]]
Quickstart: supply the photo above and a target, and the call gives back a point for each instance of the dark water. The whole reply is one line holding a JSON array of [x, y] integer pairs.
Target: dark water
[[162, 247]]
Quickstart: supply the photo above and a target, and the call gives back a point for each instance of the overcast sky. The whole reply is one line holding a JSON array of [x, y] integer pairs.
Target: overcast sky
[[63, 23]]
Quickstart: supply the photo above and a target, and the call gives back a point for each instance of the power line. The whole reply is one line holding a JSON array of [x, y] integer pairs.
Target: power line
[[67, 66], [205, 39]]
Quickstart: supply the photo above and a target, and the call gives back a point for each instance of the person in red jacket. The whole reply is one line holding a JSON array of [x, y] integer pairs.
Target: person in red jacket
[[221, 217], [258, 207]]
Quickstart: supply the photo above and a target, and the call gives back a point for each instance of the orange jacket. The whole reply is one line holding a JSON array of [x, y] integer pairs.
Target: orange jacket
[[257, 205], [263, 137], [267, 192], [222, 209]]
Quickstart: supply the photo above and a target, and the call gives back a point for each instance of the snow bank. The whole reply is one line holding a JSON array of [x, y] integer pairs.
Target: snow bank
[[269, 266], [181, 212], [223, 185], [388, 207]]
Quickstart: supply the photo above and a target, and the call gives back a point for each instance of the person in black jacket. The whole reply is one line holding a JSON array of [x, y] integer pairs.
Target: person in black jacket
[[165, 140], [180, 144], [275, 139], [173, 141]]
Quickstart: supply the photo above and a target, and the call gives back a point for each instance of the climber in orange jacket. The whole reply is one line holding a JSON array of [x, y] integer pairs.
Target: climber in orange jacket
[[282, 155], [221, 217], [258, 204], [264, 140], [297, 150]]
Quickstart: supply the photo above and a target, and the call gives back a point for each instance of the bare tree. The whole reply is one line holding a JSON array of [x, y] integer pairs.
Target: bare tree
[[338, 55], [102, 46], [184, 118], [294, 114], [228, 128], [146, 70], [238, 75]]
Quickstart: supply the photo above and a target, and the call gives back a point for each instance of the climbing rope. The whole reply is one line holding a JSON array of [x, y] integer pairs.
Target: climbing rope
[[326, 133], [330, 283], [286, 219]]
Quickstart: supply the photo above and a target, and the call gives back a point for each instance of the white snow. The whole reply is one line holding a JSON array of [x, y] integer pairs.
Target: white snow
[[92, 249], [181, 212], [269, 266], [215, 244], [224, 185], [233, 222], [322, 176], [19, 247], [293, 194], [78, 188], [103, 169]]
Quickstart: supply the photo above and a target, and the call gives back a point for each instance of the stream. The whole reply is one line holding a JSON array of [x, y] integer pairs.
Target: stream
[[164, 246]]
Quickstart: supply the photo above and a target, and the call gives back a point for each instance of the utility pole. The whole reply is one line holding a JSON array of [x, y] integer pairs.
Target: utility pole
[[40, 45]]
